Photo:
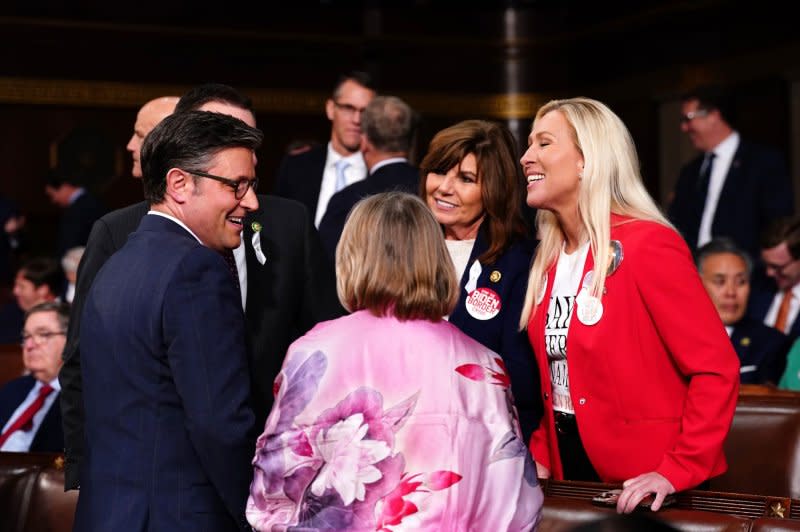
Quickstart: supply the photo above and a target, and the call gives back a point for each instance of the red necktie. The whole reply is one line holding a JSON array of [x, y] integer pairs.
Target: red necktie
[[25, 420]]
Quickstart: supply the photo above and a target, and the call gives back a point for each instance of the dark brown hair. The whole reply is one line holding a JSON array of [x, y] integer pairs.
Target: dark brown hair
[[499, 175]]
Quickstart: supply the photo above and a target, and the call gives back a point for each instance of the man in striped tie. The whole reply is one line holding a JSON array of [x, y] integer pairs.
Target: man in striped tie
[[30, 416]]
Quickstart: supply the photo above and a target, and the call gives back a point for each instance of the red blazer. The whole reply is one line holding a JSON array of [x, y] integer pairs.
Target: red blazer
[[654, 382]]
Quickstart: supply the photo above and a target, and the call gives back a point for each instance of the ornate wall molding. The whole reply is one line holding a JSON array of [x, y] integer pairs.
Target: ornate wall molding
[[100, 94]]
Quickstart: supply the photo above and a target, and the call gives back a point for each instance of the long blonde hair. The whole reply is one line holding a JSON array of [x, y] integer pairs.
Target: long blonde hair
[[611, 182]]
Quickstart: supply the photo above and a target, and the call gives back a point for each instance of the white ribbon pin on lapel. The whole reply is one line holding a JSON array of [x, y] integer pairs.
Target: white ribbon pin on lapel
[[256, 241]]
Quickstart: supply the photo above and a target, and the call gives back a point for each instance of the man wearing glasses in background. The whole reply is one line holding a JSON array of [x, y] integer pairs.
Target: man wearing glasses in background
[[313, 176], [733, 188], [777, 303], [30, 417]]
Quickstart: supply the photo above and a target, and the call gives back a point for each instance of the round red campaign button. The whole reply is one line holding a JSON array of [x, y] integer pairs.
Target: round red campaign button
[[483, 304]]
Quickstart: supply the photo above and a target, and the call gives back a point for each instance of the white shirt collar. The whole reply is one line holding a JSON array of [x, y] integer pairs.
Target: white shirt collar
[[727, 147], [355, 159], [170, 217], [77, 194], [385, 162]]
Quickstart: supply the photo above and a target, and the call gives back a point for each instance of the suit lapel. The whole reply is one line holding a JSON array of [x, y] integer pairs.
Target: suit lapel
[[730, 188]]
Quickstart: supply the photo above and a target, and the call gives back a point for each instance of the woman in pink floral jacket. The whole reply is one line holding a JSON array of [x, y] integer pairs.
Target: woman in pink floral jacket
[[391, 418]]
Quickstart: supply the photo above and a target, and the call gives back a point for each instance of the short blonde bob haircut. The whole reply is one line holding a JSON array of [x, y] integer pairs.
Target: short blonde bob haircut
[[392, 260]]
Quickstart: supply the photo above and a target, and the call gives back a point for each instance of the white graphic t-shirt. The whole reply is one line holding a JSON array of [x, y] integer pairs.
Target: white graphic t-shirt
[[559, 314]]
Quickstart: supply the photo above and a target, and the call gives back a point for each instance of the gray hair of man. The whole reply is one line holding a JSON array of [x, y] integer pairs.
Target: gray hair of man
[[722, 245], [71, 259], [389, 124]]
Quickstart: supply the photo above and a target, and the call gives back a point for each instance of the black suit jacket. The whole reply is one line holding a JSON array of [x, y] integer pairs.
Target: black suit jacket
[[49, 437], [292, 291], [77, 220], [396, 176], [762, 351], [300, 176], [756, 191]]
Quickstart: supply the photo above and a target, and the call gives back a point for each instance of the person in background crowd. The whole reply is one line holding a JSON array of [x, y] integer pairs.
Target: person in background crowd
[[389, 125], [69, 263], [473, 187], [391, 416], [777, 302], [81, 210], [733, 188], [314, 175], [725, 270], [648, 396], [38, 280], [30, 417], [148, 117]]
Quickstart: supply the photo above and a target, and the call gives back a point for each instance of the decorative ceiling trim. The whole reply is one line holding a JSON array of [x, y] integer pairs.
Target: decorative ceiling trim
[[89, 93]]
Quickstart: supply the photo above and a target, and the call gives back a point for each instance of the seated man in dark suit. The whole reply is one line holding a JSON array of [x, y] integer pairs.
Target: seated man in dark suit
[[733, 188], [30, 416], [389, 125], [725, 270], [776, 299], [168, 421], [38, 280]]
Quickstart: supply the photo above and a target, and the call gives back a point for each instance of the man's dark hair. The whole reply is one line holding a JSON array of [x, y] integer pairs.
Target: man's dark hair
[[786, 229], [711, 98], [55, 177], [61, 309], [43, 271], [200, 95], [189, 141], [389, 124], [719, 245], [357, 76]]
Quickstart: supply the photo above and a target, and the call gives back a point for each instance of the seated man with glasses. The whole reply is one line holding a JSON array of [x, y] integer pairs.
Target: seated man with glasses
[[777, 301], [30, 416], [314, 175], [732, 188]]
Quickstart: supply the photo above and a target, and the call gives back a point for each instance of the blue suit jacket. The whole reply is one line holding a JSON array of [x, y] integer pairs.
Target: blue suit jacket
[[399, 176], [757, 190], [501, 333], [169, 430], [49, 437], [761, 349]]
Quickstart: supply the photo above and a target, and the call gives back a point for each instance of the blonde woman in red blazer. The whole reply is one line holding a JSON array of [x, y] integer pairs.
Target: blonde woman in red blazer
[[647, 380]]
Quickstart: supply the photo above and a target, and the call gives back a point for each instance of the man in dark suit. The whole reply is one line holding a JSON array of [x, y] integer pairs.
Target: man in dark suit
[[30, 416], [733, 188], [776, 300], [389, 125], [169, 425], [725, 270], [313, 176], [81, 210], [286, 285]]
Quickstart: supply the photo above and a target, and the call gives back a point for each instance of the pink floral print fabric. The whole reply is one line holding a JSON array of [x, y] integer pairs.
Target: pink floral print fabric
[[391, 426]]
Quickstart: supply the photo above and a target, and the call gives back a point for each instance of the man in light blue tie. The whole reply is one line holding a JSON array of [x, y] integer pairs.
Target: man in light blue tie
[[313, 176]]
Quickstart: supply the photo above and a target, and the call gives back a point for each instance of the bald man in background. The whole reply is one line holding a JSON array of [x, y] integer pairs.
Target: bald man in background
[[108, 234], [147, 118]]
